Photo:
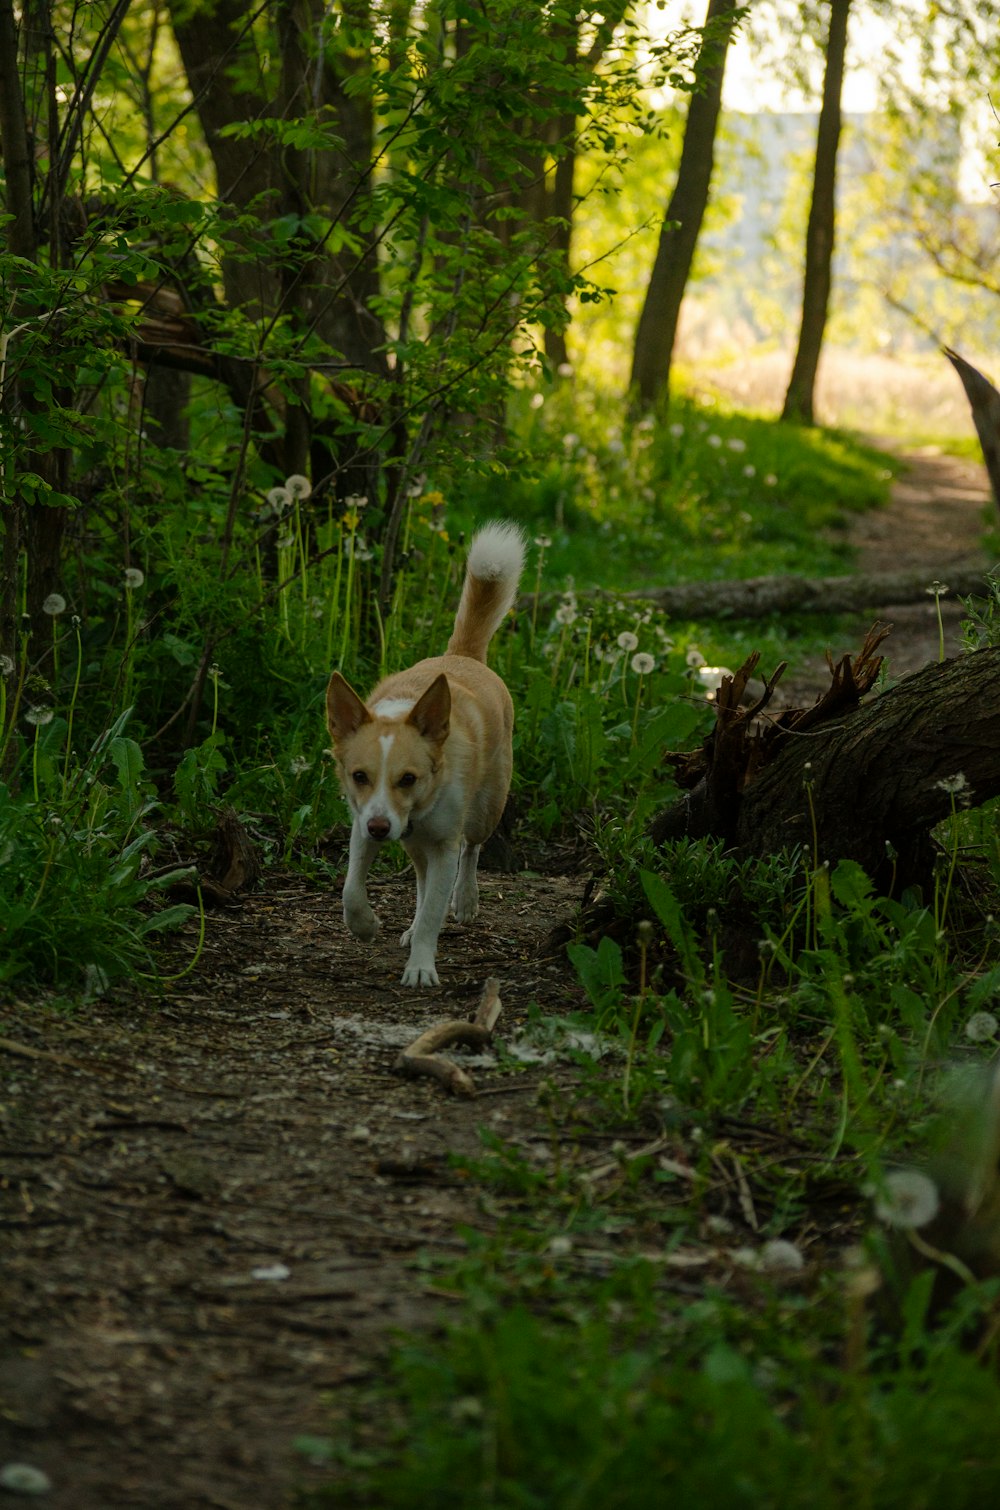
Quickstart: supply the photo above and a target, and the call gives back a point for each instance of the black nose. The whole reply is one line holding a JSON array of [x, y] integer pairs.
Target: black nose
[[379, 828]]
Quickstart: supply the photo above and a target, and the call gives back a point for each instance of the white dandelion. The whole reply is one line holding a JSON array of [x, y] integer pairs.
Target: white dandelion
[[781, 1257], [54, 605], [981, 1027], [298, 486], [279, 499], [908, 1198], [133, 578], [736, 444], [38, 716], [643, 663], [628, 641]]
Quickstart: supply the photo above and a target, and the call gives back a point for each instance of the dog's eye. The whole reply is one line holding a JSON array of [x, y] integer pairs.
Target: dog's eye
[[360, 778], [407, 779]]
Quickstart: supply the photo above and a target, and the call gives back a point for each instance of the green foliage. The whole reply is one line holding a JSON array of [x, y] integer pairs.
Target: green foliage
[[609, 1409], [80, 903]]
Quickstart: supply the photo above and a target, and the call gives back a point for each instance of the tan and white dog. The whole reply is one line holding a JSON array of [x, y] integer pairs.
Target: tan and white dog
[[427, 760]]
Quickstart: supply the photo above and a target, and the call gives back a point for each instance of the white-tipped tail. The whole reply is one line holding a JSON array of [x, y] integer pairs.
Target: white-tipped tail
[[492, 573]]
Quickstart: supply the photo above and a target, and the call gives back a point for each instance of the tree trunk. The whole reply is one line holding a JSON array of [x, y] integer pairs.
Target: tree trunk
[[984, 401], [657, 329], [845, 780], [799, 399]]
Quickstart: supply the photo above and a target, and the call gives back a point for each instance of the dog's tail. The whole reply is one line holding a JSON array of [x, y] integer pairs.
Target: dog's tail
[[492, 573]]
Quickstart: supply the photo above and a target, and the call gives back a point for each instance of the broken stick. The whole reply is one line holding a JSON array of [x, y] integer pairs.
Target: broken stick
[[423, 1056]]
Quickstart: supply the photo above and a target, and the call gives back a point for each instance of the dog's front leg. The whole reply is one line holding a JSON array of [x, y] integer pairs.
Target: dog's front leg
[[440, 868], [358, 914]]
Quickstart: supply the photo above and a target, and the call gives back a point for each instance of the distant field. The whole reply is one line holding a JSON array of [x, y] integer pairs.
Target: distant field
[[913, 397]]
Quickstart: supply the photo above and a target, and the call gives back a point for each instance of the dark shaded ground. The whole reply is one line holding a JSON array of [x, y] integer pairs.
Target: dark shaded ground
[[211, 1203], [160, 1154]]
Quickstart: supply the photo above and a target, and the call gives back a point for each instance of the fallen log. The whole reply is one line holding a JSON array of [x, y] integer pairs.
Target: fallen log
[[843, 779], [758, 597]]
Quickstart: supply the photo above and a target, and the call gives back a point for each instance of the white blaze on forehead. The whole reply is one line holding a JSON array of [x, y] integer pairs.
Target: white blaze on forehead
[[393, 707], [385, 740]]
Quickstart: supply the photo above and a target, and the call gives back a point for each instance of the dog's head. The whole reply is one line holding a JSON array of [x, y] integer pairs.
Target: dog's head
[[388, 757]]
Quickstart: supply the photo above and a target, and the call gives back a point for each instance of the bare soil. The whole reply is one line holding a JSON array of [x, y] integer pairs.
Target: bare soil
[[213, 1200]]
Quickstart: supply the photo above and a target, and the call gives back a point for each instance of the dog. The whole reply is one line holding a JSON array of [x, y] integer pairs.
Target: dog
[[427, 759]]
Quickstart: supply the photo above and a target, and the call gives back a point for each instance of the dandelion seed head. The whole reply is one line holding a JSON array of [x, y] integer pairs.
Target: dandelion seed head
[[936, 589], [694, 657], [38, 716], [715, 441], [298, 486], [354, 502], [627, 640], [566, 614], [749, 470], [279, 499], [908, 1199], [6, 666], [643, 663], [54, 605], [543, 542], [133, 578], [735, 443], [770, 480], [955, 785], [779, 1256], [981, 1027]]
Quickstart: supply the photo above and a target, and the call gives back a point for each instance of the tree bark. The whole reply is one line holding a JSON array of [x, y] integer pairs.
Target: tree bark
[[845, 780], [657, 329], [984, 401], [800, 397]]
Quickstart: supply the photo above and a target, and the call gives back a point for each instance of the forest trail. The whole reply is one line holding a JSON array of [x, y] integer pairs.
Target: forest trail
[[218, 1204]]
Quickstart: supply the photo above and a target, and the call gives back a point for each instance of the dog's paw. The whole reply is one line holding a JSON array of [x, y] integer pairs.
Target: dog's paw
[[416, 974], [361, 921], [466, 907]]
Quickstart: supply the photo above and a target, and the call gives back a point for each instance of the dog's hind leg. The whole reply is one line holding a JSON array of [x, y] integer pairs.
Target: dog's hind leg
[[358, 914], [441, 864], [465, 900]]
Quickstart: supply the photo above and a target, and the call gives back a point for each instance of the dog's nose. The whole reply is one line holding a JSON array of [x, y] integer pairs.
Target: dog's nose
[[379, 828]]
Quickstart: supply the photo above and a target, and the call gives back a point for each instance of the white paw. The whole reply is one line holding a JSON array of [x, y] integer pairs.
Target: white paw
[[420, 975], [361, 921]]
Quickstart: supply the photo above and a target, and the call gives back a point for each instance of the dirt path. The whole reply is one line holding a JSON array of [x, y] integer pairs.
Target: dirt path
[[211, 1204], [939, 509]]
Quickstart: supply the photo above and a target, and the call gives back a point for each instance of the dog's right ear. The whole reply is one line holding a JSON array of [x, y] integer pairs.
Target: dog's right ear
[[345, 712]]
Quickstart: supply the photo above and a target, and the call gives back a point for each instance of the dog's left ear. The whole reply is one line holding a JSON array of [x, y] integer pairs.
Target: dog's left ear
[[345, 712], [431, 714]]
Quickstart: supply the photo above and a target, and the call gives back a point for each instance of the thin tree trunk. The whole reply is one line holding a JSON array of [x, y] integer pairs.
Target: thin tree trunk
[[657, 329], [820, 231]]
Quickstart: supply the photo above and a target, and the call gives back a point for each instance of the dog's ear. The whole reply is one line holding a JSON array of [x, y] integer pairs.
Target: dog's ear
[[345, 712], [431, 714]]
